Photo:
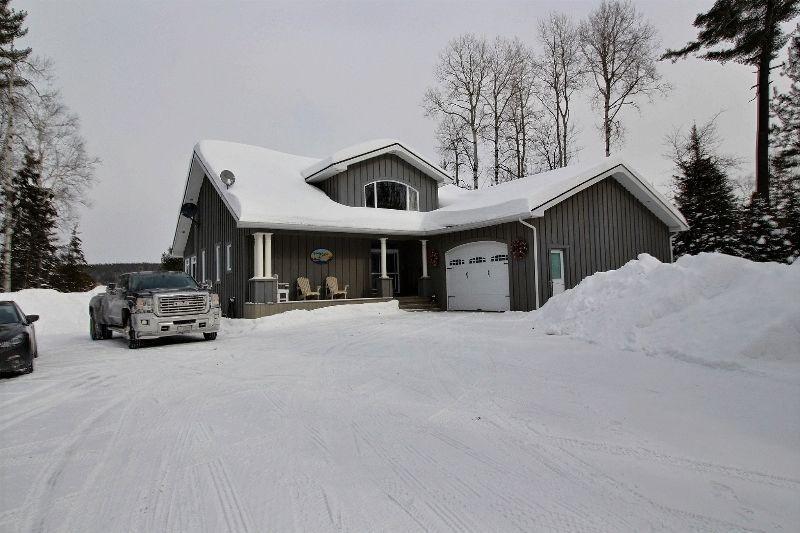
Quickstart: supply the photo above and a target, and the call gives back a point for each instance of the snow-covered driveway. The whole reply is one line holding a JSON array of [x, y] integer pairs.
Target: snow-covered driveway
[[376, 419]]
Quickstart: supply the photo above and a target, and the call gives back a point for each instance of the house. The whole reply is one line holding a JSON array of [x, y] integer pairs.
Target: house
[[387, 222]]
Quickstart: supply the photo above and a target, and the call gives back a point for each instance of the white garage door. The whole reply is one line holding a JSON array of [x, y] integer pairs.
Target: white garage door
[[477, 277]]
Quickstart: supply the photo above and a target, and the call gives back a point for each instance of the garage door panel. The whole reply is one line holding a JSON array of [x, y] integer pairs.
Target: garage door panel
[[477, 277]]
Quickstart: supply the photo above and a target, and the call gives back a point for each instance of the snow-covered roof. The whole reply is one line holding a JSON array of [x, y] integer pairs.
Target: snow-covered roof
[[341, 159], [272, 191]]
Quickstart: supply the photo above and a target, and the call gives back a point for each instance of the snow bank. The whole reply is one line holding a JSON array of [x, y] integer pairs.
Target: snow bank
[[59, 312], [711, 309]]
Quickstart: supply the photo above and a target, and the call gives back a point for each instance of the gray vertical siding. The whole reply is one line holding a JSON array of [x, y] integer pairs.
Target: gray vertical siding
[[348, 187], [600, 228], [217, 225]]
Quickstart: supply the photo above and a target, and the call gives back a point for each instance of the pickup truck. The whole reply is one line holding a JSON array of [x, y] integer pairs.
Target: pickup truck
[[146, 305]]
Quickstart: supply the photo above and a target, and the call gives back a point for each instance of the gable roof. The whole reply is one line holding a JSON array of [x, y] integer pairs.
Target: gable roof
[[342, 159], [272, 190]]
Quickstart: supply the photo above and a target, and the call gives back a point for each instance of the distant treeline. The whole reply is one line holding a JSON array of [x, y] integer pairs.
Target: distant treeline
[[104, 273]]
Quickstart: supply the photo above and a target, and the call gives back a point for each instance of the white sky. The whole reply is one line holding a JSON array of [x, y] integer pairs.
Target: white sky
[[150, 79]]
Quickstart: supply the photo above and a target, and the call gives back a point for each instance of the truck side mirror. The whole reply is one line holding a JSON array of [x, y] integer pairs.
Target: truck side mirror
[[30, 319], [206, 285], [110, 287]]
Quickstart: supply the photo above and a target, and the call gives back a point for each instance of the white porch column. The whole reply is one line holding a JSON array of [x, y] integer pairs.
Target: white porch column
[[268, 255], [384, 274], [424, 257], [258, 255]]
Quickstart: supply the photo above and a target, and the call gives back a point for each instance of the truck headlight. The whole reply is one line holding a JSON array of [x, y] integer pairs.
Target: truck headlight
[[214, 299], [143, 305]]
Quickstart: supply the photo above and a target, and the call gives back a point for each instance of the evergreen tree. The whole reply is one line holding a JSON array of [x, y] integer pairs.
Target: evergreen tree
[[33, 250], [752, 29], [704, 195], [785, 141], [168, 262], [72, 274]]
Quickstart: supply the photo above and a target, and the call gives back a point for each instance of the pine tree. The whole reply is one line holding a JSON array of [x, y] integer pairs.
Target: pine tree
[[752, 30], [33, 250], [72, 275], [785, 141], [170, 263], [704, 195]]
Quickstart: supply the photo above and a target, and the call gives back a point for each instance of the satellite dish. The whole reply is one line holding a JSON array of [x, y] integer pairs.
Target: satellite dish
[[189, 210], [227, 178]]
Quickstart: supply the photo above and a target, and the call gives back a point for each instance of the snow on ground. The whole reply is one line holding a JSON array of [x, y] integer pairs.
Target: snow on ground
[[370, 418], [710, 309]]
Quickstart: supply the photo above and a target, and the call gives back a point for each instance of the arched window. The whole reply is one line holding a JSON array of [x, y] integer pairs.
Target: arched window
[[391, 195]]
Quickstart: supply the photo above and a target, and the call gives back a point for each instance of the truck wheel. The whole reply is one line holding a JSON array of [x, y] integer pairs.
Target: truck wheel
[[210, 336], [105, 331], [94, 328], [133, 342]]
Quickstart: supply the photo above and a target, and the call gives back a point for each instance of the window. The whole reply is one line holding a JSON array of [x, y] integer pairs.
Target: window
[[193, 267], [187, 266], [499, 257], [228, 259], [203, 266], [391, 195], [456, 262], [474, 260], [217, 262]]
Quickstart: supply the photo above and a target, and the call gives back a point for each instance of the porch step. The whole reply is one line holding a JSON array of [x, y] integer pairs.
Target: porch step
[[417, 303]]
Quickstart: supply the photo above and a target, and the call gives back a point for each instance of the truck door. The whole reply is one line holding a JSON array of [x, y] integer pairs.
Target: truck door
[[117, 300]]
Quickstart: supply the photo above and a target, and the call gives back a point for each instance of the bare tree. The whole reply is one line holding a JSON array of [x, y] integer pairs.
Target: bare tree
[[504, 57], [559, 67], [522, 116], [620, 49], [53, 133], [453, 145], [462, 75]]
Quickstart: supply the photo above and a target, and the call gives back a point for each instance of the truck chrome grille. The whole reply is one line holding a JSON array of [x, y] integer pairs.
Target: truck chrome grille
[[186, 304]]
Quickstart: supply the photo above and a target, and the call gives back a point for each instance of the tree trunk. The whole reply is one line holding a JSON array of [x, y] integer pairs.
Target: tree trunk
[[475, 157], [762, 118], [607, 121], [496, 153], [5, 170]]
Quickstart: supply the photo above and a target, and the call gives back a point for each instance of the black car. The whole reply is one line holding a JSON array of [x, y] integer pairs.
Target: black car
[[17, 339]]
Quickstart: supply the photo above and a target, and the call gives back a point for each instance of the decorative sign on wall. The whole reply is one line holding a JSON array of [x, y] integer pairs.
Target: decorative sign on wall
[[321, 256]]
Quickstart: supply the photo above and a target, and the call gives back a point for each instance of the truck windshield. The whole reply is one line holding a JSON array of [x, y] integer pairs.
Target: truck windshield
[[162, 280]]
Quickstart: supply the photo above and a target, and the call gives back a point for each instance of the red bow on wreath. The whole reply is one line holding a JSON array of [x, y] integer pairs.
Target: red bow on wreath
[[519, 249]]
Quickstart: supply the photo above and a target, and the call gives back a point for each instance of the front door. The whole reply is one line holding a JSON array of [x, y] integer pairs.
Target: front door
[[557, 271], [392, 268]]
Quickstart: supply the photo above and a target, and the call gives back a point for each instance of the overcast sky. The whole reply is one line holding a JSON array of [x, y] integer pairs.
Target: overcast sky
[[150, 79]]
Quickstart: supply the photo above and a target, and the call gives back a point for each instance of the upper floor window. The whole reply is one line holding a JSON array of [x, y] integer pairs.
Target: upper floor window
[[391, 195]]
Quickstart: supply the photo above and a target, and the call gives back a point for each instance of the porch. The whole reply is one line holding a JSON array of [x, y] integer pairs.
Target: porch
[[374, 268]]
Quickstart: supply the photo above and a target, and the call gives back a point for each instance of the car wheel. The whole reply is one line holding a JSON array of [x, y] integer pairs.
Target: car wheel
[[29, 369], [94, 330], [210, 336]]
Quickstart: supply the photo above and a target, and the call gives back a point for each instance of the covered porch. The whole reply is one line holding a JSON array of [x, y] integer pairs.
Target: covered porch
[[369, 268]]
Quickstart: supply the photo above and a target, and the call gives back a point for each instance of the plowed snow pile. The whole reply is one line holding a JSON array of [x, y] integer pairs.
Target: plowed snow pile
[[711, 309]]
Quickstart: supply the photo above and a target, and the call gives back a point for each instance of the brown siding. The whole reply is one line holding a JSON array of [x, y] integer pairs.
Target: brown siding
[[348, 187]]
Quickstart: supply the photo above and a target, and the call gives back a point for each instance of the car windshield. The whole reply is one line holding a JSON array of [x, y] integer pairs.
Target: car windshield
[[162, 280], [8, 314]]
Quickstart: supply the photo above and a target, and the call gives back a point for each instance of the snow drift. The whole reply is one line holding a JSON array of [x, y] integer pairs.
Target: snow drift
[[59, 312], [712, 309]]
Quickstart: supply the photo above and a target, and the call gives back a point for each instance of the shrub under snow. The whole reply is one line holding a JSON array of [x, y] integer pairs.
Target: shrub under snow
[[709, 308]]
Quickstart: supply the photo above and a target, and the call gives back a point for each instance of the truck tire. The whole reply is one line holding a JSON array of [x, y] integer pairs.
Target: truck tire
[[94, 328], [210, 336], [133, 342]]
